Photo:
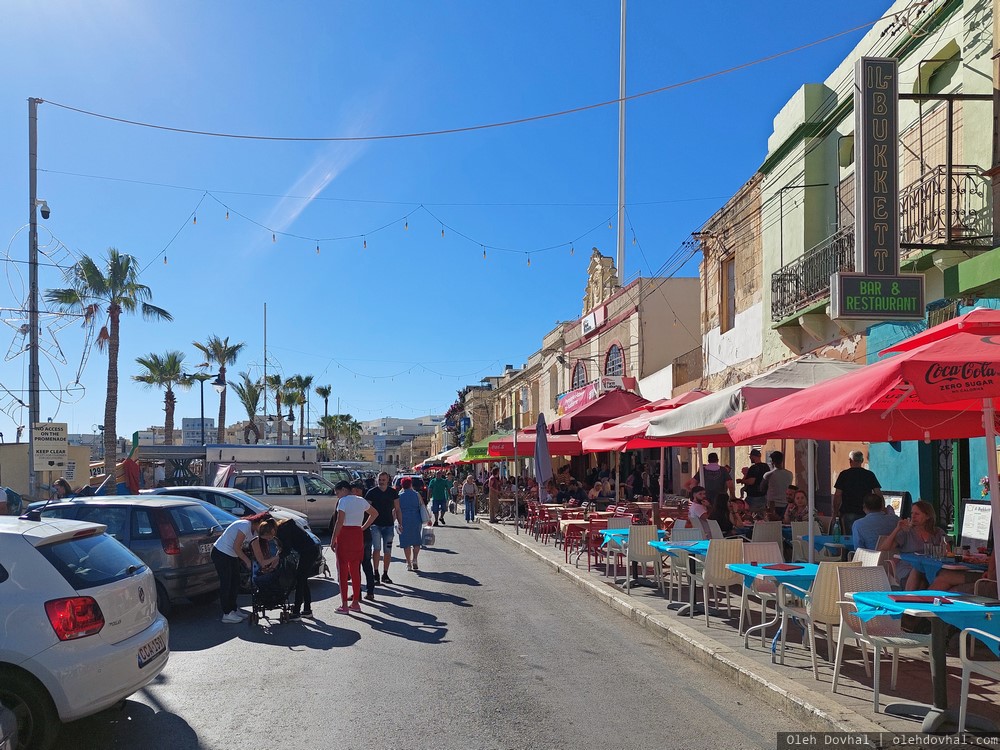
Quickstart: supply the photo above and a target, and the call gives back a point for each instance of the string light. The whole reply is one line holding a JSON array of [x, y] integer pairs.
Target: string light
[[529, 261], [194, 219], [164, 260], [572, 250], [484, 252], [227, 216], [317, 249], [273, 237], [364, 243], [609, 225], [442, 231], [406, 225]]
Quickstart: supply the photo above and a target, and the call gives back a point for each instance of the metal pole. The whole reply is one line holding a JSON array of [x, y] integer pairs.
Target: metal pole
[[621, 152], [517, 521], [663, 471], [33, 377], [949, 170], [265, 367], [989, 422], [811, 479], [202, 384]]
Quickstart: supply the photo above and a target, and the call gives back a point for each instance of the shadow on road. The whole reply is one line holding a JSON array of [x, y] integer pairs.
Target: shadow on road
[[415, 593], [392, 619], [450, 577]]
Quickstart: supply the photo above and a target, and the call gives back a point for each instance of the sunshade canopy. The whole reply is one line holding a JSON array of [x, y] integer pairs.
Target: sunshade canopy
[[702, 420], [628, 432], [903, 397], [981, 320], [558, 445], [609, 405], [479, 452]]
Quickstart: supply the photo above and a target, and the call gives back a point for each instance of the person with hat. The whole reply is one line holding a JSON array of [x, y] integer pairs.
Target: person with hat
[[753, 482]]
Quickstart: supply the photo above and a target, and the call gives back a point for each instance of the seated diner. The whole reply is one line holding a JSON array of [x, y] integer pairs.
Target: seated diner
[[913, 534]]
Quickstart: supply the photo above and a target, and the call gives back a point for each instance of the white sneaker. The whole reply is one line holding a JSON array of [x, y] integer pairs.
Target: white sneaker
[[231, 618]]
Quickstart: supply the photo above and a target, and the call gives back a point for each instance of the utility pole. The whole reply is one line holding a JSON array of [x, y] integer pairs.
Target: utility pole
[[33, 377], [621, 154], [995, 170]]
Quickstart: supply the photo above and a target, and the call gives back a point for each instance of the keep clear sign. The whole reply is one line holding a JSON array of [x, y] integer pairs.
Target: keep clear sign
[[50, 446]]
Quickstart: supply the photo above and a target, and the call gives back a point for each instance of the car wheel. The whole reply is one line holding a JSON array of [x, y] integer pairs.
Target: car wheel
[[37, 721], [163, 602]]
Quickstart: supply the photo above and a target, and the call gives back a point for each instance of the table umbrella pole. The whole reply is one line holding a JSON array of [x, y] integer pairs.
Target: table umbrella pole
[[662, 471], [989, 424], [811, 479]]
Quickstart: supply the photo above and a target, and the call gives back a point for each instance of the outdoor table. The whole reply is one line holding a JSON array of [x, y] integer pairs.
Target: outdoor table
[[950, 611], [801, 575], [565, 523], [696, 549], [929, 567], [507, 508], [620, 538]]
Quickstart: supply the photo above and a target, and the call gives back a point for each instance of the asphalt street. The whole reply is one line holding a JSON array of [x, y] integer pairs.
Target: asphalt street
[[483, 648]]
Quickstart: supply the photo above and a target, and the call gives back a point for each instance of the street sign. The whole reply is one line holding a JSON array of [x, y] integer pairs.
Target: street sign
[[50, 445], [855, 296]]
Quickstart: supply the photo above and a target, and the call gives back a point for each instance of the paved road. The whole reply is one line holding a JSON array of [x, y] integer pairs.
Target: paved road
[[484, 648]]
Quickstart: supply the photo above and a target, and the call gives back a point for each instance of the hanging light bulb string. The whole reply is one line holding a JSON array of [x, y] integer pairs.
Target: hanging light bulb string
[[191, 218]]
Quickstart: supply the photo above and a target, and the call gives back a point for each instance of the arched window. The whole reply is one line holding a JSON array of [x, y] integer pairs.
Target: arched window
[[579, 375], [614, 363]]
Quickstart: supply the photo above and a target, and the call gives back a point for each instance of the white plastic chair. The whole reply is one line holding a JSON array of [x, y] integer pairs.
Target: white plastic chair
[[715, 531], [766, 531], [882, 632], [762, 553], [679, 572], [819, 607], [713, 573], [800, 547], [638, 551], [615, 548], [990, 669]]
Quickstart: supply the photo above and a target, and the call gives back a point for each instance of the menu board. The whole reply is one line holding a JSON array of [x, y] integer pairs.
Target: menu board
[[976, 518]]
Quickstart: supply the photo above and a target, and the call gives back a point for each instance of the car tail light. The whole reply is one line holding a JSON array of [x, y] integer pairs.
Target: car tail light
[[168, 536], [75, 617]]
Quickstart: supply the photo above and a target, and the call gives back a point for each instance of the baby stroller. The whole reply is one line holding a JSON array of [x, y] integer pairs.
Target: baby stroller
[[270, 590]]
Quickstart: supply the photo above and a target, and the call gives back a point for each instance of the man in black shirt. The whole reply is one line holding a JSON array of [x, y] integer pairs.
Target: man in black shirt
[[852, 486], [753, 481], [385, 500]]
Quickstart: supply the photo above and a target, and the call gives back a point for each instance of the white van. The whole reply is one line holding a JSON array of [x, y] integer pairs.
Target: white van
[[302, 491]]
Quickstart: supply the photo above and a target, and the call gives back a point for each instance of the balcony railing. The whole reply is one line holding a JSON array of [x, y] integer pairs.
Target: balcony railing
[[924, 207], [806, 280]]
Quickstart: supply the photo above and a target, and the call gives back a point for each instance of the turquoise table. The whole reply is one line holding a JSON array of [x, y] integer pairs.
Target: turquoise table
[[821, 540], [951, 611], [672, 548], [930, 567], [802, 575], [619, 538]]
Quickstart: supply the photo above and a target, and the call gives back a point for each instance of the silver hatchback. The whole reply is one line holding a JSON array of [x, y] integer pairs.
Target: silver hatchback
[[174, 537]]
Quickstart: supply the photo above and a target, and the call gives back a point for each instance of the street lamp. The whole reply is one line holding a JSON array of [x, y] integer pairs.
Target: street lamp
[[219, 384]]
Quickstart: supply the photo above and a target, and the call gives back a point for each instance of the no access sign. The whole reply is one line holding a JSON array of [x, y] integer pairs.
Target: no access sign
[[50, 446]]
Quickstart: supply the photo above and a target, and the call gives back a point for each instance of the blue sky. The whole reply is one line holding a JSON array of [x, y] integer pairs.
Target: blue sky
[[399, 326]]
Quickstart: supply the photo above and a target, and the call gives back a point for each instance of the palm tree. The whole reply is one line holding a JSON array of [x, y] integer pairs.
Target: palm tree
[[165, 372], [249, 392], [347, 433], [324, 391], [301, 384], [289, 398], [277, 385], [117, 287], [222, 353]]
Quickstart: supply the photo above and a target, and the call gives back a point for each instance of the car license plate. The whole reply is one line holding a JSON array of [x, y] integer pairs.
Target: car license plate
[[205, 549], [152, 649]]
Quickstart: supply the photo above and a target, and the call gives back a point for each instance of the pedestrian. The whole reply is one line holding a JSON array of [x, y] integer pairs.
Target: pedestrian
[[850, 489], [61, 489], [354, 514], [292, 537], [493, 486], [386, 501], [358, 488], [228, 557], [469, 491], [753, 482], [775, 485], [439, 489], [411, 522]]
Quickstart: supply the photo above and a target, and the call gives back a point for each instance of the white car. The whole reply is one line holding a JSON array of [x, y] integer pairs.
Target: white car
[[79, 628]]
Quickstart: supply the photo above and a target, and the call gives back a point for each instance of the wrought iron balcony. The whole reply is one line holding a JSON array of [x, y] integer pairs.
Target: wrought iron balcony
[[806, 280], [925, 206]]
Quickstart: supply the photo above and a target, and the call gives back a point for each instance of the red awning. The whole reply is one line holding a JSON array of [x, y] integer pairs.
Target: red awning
[[559, 445], [628, 432], [608, 406]]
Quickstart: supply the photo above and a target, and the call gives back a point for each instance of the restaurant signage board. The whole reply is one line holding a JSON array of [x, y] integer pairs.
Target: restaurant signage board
[[877, 291]]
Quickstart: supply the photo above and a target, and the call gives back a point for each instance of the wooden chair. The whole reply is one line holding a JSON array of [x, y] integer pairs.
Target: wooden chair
[[713, 573], [762, 553], [819, 606], [882, 632]]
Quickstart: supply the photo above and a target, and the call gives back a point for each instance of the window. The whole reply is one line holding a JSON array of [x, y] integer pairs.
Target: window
[[142, 525], [91, 561], [282, 484], [579, 375], [192, 519], [315, 486], [614, 363], [250, 484], [727, 315]]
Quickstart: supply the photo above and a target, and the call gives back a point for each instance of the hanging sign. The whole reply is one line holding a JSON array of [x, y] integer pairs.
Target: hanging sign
[[50, 445], [877, 291]]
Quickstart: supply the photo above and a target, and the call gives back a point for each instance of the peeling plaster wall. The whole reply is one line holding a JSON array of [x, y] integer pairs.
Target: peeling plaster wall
[[744, 341]]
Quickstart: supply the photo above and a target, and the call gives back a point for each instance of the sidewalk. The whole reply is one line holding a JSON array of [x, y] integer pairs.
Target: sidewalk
[[790, 688]]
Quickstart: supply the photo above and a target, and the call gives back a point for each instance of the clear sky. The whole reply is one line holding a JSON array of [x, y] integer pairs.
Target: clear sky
[[399, 326]]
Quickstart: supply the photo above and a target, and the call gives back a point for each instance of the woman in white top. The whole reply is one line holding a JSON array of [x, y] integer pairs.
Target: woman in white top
[[228, 555], [469, 490], [347, 542]]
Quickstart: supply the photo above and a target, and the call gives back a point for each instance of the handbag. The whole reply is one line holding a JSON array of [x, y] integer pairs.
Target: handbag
[[425, 514], [427, 536]]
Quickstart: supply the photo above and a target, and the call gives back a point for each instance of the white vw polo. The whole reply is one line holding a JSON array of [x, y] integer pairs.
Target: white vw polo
[[79, 629]]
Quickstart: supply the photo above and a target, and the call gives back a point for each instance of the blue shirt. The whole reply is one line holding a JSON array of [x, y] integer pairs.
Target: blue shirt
[[867, 530]]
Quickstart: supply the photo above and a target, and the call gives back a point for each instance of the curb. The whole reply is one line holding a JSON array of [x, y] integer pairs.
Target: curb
[[812, 708]]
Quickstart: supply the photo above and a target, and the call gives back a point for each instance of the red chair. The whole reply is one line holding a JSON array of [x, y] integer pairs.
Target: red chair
[[594, 540]]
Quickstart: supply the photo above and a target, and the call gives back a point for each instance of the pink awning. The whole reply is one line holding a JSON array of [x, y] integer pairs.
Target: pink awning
[[559, 445], [628, 432], [608, 406]]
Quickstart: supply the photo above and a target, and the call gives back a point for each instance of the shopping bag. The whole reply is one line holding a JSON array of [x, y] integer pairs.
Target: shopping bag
[[427, 536]]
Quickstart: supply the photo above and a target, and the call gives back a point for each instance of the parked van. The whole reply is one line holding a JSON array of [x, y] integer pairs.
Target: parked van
[[302, 491]]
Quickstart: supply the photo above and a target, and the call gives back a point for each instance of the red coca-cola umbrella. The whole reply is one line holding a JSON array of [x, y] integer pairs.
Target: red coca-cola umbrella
[[558, 445]]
